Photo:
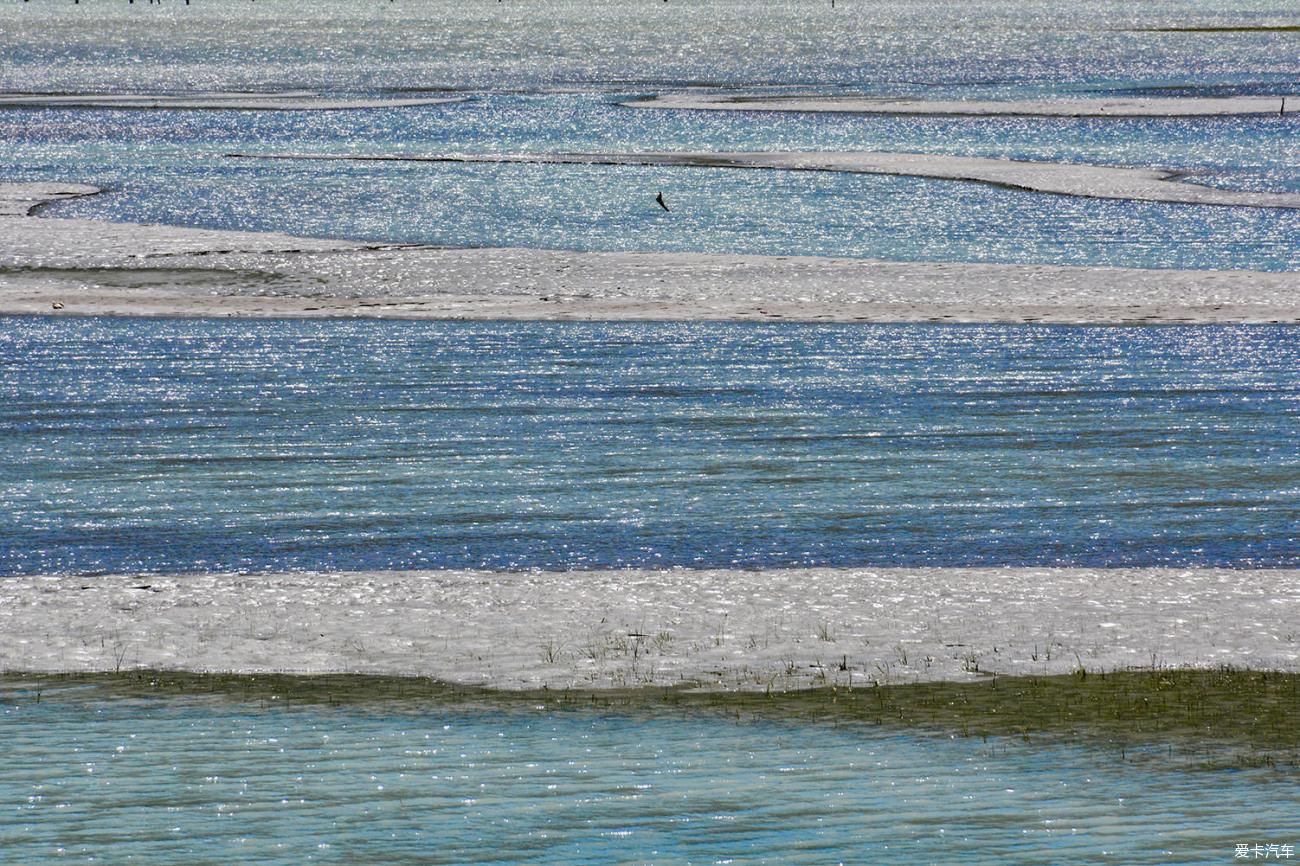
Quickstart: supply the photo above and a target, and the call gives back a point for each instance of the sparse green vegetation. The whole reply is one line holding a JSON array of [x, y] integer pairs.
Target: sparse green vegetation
[[1222, 717]]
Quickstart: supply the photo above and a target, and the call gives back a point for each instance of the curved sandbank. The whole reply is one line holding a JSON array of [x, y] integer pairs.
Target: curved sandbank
[[1059, 178], [89, 267], [1199, 106], [299, 100], [711, 629], [22, 199]]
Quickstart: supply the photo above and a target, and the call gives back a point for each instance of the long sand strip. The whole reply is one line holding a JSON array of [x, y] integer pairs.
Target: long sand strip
[[1059, 178], [1204, 106], [89, 267], [748, 630], [297, 100]]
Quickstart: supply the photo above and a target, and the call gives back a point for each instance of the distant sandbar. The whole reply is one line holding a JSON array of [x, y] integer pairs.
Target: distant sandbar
[[1199, 106], [298, 100], [1058, 178], [91, 267]]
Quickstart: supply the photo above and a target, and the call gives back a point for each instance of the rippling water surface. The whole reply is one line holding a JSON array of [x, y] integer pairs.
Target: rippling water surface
[[547, 76], [991, 46], [179, 445], [171, 167], [185, 445], [216, 780]]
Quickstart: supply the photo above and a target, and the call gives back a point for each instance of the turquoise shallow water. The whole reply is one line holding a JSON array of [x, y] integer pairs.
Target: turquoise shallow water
[[86, 777], [191, 445]]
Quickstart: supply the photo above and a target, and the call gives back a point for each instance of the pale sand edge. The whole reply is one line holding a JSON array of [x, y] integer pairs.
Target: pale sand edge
[[283, 101], [162, 304], [1210, 106], [709, 629], [1056, 178], [51, 266]]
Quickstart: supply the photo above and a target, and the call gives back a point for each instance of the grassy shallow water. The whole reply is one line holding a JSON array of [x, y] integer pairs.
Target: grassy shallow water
[[148, 774], [1216, 718], [160, 768]]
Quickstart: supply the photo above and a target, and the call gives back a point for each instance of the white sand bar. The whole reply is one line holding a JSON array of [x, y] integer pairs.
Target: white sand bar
[[1204, 106], [20, 199], [1060, 178], [89, 267], [612, 629], [297, 100]]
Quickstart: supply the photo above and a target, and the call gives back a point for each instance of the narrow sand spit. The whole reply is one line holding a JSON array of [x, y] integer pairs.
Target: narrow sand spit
[[298, 100], [89, 267], [1206, 106], [1088, 181], [611, 629], [21, 199]]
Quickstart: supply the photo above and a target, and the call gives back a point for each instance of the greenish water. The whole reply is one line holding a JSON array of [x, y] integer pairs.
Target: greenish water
[[93, 771]]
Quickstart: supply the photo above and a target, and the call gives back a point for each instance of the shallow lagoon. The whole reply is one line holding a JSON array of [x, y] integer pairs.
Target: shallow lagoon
[[210, 778]]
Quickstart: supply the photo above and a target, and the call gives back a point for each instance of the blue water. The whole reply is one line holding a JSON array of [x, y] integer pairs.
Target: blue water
[[87, 776], [547, 76], [186, 445], [191, 445], [169, 167]]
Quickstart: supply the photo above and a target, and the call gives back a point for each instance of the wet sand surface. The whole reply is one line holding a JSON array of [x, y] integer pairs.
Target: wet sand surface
[[88, 267], [1180, 106], [1087, 181], [297, 100]]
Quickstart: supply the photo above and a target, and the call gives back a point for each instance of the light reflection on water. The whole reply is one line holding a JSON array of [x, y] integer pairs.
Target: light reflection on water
[[213, 779], [989, 47], [168, 167], [546, 76], [714, 210], [180, 446], [177, 443]]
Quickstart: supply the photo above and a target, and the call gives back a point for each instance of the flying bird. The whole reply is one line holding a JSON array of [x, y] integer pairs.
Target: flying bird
[[660, 198]]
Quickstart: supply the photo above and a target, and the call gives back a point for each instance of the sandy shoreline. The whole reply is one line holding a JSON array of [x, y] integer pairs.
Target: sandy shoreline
[[88, 267], [1206, 106], [1085, 181], [297, 100], [720, 629]]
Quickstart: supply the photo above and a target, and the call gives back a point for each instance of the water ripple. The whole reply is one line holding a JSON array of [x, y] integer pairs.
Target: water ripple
[[181, 445], [208, 780]]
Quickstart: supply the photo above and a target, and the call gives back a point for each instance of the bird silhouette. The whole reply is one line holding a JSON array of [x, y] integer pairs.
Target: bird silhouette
[[660, 198]]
